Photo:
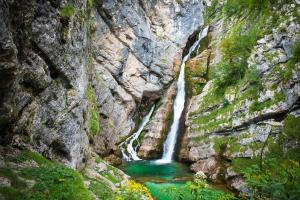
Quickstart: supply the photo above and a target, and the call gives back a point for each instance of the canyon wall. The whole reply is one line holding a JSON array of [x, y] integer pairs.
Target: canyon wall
[[75, 72], [230, 124]]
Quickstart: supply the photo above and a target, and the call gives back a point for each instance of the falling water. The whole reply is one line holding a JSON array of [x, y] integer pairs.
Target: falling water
[[169, 145], [129, 153]]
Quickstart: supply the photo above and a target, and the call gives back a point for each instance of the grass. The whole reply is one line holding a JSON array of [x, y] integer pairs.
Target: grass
[[94, 123], [292, 127], [259, 106], [191, 190], [57, 182], [239, 164], [47, 180], [236, 48], [110, 177], [101, 190], [214, 118], [288, 73], [30, 155], [67, 11]]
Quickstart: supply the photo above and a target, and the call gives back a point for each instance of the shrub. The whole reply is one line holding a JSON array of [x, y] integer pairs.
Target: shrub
[[57, 182], [134, 191], [237, 7], [292, 127], [279, 179], [198, 189], [67, 11], [296, 52], [101, 190], [45, 181], [276, 175], [94, 123], [236, 49]]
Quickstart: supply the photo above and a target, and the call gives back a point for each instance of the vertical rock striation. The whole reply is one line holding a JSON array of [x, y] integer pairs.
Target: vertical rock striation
[[55, 55]]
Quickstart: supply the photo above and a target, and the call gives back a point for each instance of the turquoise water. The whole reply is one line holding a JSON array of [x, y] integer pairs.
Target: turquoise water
[[159, 178], [165, 180], [149, 171]]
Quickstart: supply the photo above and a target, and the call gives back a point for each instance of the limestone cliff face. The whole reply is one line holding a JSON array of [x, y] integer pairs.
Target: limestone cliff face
[[237, 124], [66, 66]]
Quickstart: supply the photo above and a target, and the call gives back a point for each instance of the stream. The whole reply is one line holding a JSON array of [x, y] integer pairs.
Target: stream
[[160, 174]]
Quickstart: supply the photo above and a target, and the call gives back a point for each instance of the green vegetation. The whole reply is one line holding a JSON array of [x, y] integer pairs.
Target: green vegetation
[[259, 106], [110, 176], [67, 11], [238, 7], [277, 174], [101, 190], [91, 3], [292, 127], [46, 180], [195, 81], [33, 177], [274, 172], [296, 52], [210, 122], [198, 189], [134, 191], [93, 111], [56, 182], [292, 62], [279, 179], [236, 48], [30, 155]]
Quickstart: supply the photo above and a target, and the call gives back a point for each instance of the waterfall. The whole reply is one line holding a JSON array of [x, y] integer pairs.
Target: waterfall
[[169, 144], [129, 153]]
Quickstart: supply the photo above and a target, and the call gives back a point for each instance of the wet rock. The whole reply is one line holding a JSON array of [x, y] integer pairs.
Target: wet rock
[[113, 160], [202, 151], [230, 173], [199, 63], [206, 166], [4, 182], [238, 184], [156, 130]]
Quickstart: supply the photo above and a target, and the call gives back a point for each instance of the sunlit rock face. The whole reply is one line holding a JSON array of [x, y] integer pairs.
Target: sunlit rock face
[[138, 50], [239, 123], [126, 51]]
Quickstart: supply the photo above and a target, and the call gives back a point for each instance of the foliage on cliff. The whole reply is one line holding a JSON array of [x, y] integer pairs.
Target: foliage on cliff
[[26, 175], [245, 116]]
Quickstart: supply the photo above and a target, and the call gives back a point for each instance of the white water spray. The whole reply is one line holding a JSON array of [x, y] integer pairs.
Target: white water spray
[[169, 144], [129, 153]]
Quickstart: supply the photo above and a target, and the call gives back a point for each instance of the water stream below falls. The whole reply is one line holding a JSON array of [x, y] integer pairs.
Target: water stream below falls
[[161, 173], [128, 149], [169, 145]]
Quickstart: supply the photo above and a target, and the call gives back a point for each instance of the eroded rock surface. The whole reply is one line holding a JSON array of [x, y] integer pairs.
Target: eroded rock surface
[[238, 125], [73, 72]]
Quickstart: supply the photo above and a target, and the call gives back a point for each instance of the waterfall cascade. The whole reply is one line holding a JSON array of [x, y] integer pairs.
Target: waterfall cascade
[[127, 148], [169, 144]]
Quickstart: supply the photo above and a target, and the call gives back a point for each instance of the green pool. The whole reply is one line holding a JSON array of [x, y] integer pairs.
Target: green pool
[[150, 171], [165, 180], [159, 178]]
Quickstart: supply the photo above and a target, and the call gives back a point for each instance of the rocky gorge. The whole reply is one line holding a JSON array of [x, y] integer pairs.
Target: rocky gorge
[[77, 76]]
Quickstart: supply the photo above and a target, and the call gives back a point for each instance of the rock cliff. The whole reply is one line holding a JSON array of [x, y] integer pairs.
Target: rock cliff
[[76, 72], [232, 119]]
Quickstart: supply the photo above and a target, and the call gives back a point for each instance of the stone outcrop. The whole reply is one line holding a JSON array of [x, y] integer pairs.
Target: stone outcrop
[[155, 131], [220, 130], [76, 71]]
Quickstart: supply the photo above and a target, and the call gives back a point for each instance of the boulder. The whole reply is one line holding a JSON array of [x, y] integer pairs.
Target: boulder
[[113, 160]]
